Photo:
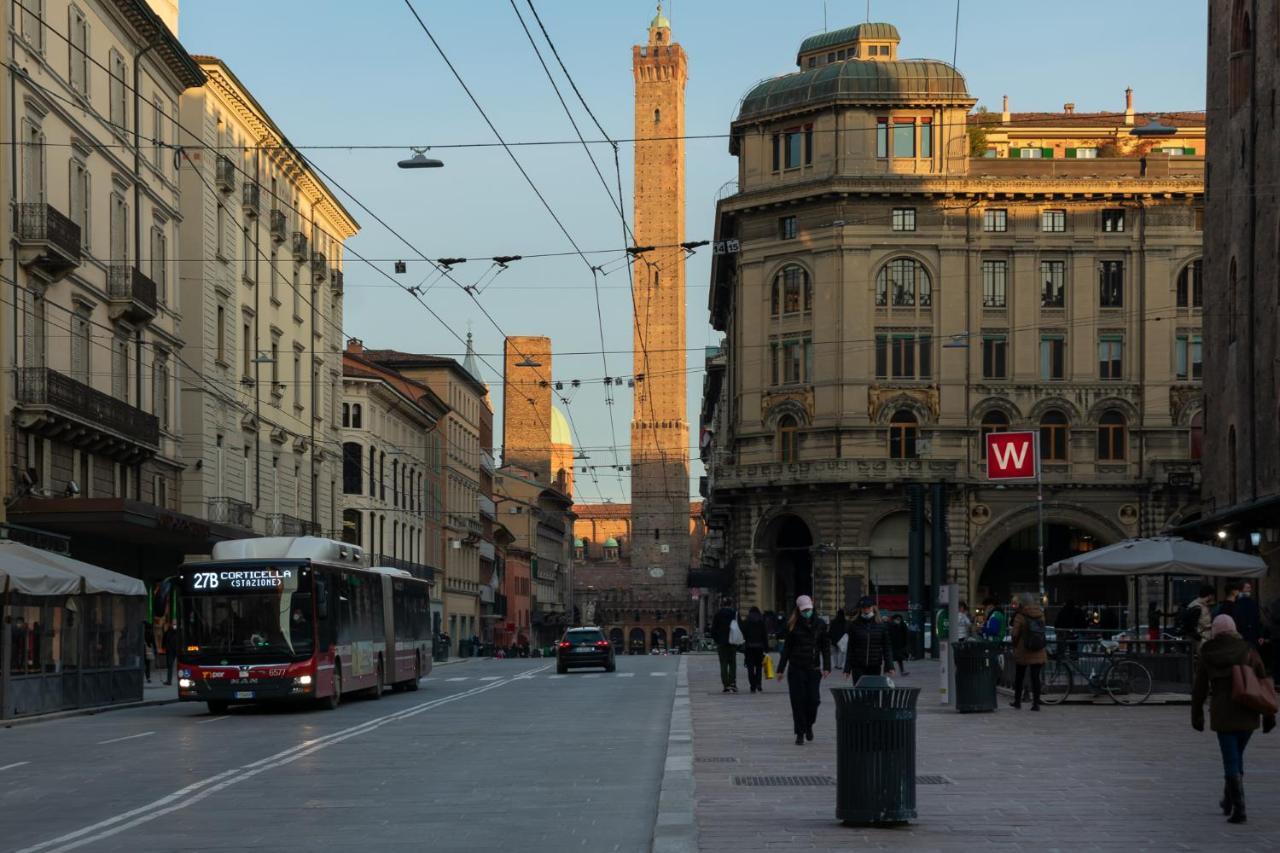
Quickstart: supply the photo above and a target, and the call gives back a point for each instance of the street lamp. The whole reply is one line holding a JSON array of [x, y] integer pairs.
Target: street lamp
[[420, 160]]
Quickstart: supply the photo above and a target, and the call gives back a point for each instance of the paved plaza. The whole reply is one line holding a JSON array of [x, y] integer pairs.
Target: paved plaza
[[1074, 779]]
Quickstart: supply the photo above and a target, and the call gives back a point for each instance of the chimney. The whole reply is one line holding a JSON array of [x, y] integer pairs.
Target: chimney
[[1128, 106], [1004, 111], [1069, 109], [355, 346]]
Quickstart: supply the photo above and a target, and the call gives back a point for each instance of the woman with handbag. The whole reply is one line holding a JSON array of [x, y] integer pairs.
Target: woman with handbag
[[1231, 676], [805, 661]]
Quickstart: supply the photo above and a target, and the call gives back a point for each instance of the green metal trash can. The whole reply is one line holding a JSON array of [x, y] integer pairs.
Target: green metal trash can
[[875, 752], [976, 667]]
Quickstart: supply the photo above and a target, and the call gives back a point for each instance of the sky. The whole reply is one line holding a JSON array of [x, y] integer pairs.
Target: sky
[[341, 73]]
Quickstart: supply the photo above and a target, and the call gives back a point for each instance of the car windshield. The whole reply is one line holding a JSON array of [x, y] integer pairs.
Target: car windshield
[[270, 618], [580, 637]]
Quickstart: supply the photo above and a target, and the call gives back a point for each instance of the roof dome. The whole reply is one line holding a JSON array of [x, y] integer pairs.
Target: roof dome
[[659, 20], [860, 32], [611, 542], [560, 433], [857, 81]]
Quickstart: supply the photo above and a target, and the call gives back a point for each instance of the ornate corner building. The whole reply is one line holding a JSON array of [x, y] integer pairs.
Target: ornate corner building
[[897, 277]]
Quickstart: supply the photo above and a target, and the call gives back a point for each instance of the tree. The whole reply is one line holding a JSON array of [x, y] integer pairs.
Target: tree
[[977, 130]]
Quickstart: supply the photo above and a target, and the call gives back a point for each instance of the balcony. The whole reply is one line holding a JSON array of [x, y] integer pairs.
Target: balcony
[[281, 524], [842, 472], [224, 173], [418, 570], [57, 406], [335, 278], [231, 511], [132, 294], [319, 267], [299, 246], [48, 242], [279, 226], [249, 198]]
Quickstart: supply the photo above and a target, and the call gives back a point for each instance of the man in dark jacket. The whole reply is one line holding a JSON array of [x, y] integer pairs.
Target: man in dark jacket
[[728, 653], [869, 651], [755, 647], [900, 641]]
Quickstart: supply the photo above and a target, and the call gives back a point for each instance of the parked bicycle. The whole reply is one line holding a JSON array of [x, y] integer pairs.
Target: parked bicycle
[[1121, 677]]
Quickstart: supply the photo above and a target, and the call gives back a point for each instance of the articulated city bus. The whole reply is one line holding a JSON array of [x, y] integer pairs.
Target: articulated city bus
[[298, 618]]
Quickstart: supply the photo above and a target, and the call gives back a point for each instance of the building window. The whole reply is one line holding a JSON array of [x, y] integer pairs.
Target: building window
[[80, 199], [222, 248], [1111, 284], [904, 356], [1054, 434], [904, 138], [373, 490], [903, 281], [357, 416], [1190, 285], [995, 221], [1113, 220], [250, 267], [1085, 153], [787, 439], [1053, 357], [159, 262], [1111, 357], [78, 73], [119, 106], [1053, 221], [882, 138], [81, 341], [903, 429], [995, 357], [787, 228], [120, 367], [792, 291], [792, 362], [346, 415], [33, 173], [220, 333], [297, 380], [994, 284], [1028, 153], [796, 147], [1187, 357], [993, 421], [926, 137], [352, 481], [904, 219], [1111, 436], [1053, 291]]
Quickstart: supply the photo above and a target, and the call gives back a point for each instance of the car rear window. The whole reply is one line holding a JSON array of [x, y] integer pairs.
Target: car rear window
[[580, 637]]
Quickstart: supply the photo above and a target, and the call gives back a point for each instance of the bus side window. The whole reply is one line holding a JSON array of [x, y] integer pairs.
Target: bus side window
[[322, 596]]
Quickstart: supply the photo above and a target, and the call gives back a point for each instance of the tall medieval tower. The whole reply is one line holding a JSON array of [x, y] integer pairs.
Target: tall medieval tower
[[659, 432]]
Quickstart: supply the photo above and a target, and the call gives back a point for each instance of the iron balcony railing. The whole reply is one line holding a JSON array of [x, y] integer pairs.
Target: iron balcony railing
[[319, 267], [44, 386], [225, 173], [127, 283], [231, 511], [279, 226], [250, 197], [282, 524], [42, 223], [299, 246], [418, 570]]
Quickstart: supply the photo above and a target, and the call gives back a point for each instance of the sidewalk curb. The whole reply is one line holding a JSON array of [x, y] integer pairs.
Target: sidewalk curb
[[674, 827]]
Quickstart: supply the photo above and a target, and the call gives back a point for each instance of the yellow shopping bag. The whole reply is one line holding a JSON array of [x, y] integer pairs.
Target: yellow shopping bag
[[768, 666]]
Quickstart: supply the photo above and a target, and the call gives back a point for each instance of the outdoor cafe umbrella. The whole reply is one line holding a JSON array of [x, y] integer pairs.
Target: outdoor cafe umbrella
[[1162, 555]]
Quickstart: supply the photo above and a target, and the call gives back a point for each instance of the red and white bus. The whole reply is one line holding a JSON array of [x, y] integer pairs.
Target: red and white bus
[[298, 618]]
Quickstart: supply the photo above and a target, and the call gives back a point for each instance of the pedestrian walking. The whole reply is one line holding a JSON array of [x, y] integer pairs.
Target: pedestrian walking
[[1233, 722], [869, 650], [1029, 649], [169, 639], [148, 649], [1196, 619], [755, 642], [721, 625], [1247, 615], [805, 661], [964, 622], [899, 641], [839, 625]]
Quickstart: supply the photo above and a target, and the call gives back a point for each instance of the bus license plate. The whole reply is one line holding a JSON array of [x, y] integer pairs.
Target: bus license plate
[[244, 694]]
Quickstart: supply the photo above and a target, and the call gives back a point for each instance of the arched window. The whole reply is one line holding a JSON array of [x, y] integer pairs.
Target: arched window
[[993, 421], [382, 475], [357, 417], [792, 291], [1111, 436], [902, 435], [903, 282], [1190, 289], [787, 439], [1054, 434], [395, 538], [352, 456], [1195, 438], [395, 482], [346, 415]]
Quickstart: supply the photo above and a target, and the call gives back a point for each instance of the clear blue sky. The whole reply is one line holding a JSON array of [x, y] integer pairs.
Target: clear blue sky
[[335, 72]]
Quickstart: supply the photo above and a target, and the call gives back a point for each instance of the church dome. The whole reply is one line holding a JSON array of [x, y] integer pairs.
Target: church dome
[[560, 433], [660, 20], [857, 81], [611, 542]]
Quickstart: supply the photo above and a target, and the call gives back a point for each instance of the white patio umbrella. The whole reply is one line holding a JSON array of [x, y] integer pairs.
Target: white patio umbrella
[[1162, 555]]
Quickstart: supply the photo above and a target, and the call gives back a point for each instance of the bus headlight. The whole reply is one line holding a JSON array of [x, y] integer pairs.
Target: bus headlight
[[304, 680], [185, 683]]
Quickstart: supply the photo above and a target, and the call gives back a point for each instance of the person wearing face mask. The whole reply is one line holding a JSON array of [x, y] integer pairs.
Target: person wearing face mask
[[805, 661], [870, 650]]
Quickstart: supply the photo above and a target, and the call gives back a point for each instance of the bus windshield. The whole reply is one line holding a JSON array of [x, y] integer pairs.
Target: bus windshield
[[247, 613]]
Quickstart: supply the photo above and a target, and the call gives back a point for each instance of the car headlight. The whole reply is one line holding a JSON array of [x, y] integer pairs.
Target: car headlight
[[185, 683]]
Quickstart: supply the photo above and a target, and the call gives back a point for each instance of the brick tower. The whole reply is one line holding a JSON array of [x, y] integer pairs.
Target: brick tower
[[659, 432], [526, 404]]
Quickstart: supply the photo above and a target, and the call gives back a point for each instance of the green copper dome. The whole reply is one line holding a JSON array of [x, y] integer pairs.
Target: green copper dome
[[660, 20], [857, 81], [611, 542], [870, 32]]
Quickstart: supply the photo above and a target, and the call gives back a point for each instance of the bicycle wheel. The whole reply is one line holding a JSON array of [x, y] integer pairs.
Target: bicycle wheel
[[1127, 682], [1055, 682]]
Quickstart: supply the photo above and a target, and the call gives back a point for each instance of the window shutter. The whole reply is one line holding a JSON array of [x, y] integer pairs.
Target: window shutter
[[1071, 153], [1015, 153], [1190, 152], [1046, 153]]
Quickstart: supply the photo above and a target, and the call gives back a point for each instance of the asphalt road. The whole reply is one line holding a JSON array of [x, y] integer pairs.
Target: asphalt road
[[488, 755]]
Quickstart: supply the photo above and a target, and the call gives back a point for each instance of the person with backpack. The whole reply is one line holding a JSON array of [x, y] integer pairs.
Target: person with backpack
[[994, 627], [1029, 648], [1232, 721]]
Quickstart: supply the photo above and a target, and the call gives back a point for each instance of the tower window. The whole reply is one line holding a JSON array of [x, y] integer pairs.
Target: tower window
[[657, 116]]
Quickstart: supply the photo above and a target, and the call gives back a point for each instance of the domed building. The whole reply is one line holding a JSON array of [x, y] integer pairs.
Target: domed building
[[561, 452]]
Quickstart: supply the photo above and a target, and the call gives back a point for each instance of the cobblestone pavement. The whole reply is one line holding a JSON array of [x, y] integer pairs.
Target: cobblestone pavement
[[1070, 779]]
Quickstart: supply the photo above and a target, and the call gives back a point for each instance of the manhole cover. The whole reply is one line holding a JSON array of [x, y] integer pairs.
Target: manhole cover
[[932, 780], [770, 781], [715, 759]]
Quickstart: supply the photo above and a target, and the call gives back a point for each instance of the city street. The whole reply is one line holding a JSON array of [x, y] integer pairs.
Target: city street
[[487, 755]]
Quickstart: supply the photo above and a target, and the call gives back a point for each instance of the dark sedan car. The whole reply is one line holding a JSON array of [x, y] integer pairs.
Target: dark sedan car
[[584, 647]]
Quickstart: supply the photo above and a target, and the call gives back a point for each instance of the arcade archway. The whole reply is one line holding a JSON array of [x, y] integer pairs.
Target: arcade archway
[[1013, 568], [635, 641], [788, 563]]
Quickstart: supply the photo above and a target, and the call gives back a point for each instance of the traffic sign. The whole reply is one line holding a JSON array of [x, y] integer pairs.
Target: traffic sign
[[1012, 456]]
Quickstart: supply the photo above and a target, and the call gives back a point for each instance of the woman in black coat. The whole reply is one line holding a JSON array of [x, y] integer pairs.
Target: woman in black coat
[[806, 652], [755, 639]]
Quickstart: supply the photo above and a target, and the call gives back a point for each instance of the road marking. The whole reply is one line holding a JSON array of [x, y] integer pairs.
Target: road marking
[[659, 674], [126, 737], [458, 678], [626, 675], [211, 720], [592, 675], [14, 764], [559, 676], [491, 678], [197, 791]]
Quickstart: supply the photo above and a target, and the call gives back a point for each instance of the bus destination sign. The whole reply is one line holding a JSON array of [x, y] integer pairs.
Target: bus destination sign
[[241, 579]]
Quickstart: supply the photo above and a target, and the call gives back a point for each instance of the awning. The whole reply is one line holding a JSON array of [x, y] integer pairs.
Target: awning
[[1162, 555], [121, 519], [34, 572]]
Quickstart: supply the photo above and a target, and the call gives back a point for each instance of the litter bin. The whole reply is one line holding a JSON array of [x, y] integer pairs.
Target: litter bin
[[875, 751], [976, 670]]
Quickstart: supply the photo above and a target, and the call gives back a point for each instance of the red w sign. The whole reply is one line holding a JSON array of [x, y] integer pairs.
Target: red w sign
[[1011, 456]]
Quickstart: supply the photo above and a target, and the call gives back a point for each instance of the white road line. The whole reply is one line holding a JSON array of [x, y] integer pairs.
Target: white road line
[[210, 720], [659, 674], [14, 764], [626, 675], [491, 678], [126, 737], [197, 791], [458, 678], [592, 675], [559, 676]]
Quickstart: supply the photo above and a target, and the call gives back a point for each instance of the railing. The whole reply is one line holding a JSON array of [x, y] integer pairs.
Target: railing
[[319, 267], [36, 538], [281, 524], [43, 386], [126, 282], [279, 226], [335, 278], [299, 246], [418, 570], [231, 511], [42, 223], [250, 197], [224, 172]]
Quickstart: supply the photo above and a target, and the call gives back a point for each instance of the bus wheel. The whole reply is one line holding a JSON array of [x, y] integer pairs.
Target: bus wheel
[[217, 708], [332, 701], [417, 674], [375, 692]]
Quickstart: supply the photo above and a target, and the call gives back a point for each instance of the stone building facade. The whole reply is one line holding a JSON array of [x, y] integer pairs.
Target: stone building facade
[[892, 299]]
